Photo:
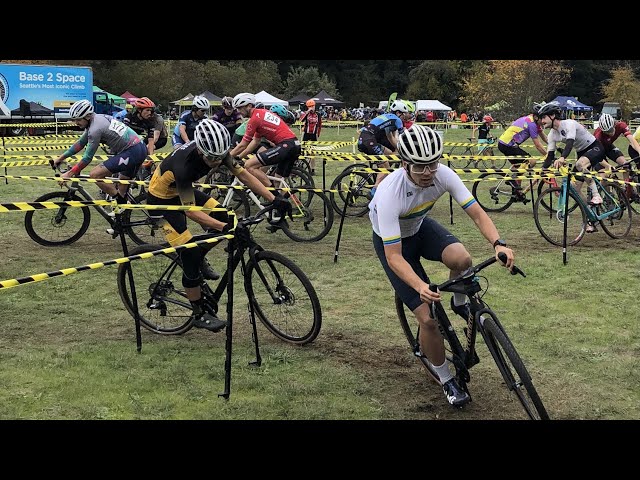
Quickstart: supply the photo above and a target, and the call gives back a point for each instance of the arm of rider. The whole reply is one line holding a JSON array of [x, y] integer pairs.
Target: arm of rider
[[151, 145], [634, 144], [403, 270], [255, 141], [543, 136], [559, 163], [183, 133], [489, 231], [539, 146], [393, 139]]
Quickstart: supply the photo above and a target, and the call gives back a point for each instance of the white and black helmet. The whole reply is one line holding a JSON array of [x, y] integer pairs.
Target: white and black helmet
[[201, 102], [212, 138], [551, 108], [420, 144], [400, 105], [242, 99], [606, 122], [80, 109]]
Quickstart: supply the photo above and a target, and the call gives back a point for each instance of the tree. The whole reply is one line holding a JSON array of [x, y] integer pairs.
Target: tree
[[624, 88], [435, 79], [519, 83], [308, 80]]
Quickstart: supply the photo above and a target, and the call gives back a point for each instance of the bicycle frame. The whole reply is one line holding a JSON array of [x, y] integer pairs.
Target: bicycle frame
[[280, 182], [592, 216]]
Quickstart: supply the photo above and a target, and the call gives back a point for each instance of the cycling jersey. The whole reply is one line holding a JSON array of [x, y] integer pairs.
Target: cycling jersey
[[520, 130], [175, 175], [621, 128], [136, 123], [190, 123], [264, 123], [379, 126], [103, 129], [229, 121], [312, 123], [570, 129], [399, 206]]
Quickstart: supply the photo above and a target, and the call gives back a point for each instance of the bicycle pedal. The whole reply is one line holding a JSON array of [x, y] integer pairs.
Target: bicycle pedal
[[272, 228]]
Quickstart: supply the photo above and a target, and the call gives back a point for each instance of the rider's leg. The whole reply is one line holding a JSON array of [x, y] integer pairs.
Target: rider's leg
[[457, 259], [254, 167], [101, 171]]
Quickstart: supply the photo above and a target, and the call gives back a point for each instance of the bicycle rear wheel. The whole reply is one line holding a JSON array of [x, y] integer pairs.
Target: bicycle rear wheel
[[150, 231], [283, 298], [359, 184], [53, 227], [310, 222], [239, 200], [492, 195], [162, 303], [617, 225], [550, 222], [515, 374]]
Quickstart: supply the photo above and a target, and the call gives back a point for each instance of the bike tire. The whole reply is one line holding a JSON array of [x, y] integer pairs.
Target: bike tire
[[619, 225], [150, 233], [492, 202], [310, 223], [549, 222], [512, 368], [77, 228], [147, 273], [359, 200], [287, 317]]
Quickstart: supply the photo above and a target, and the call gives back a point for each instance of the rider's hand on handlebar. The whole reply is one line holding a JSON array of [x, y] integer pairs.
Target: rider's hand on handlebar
[[559, 162], [509, 253], [427, 295], [283, 206]]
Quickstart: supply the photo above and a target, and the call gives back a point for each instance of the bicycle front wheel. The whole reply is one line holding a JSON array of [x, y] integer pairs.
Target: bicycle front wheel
[[162, 303], [359, 184], [514, 373], [550, 219], [53, 227], [148, 231], [283, 298], [493, 195], [312, 220], [618, 224]]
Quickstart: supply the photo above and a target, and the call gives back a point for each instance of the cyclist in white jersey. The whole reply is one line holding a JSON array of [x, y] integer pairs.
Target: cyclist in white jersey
[[403, 233], [590, 151]]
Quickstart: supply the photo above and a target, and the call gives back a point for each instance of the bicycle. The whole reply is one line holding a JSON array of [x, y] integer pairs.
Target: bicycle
[[498, 194], [278, 291], [483, 320], [484, 149], [358, 184], [312, 212], [614, 214], [631, 192], [66, 225]]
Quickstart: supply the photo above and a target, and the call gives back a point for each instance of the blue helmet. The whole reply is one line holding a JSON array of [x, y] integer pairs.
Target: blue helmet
[[279, 110]]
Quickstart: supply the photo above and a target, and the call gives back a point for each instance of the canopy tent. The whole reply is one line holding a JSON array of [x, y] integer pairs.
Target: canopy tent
[[267, 99], [212, 97], [298, 99], [131, 98], [114, 98], [433, 105], [186, 100], [35, 109], [323, 98], [571, 103]]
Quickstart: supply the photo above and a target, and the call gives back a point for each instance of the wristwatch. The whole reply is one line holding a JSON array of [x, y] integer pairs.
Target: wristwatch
[[500, 242]]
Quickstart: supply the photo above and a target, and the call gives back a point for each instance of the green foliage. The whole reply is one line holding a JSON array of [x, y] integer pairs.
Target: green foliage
[[308, 80], [435, 79], [624, 88]]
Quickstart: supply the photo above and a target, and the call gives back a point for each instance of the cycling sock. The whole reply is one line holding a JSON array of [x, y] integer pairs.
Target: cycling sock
[[196, 306], [444, 372], [459, 299]]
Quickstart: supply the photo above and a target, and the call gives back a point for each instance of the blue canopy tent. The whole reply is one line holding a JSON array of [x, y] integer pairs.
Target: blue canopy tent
[[571, 103]]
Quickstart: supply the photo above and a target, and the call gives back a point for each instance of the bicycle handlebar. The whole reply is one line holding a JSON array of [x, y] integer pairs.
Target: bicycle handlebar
[[470, 272], [62, 167]]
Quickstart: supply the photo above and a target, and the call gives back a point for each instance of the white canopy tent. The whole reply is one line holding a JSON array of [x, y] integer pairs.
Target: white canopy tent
[[433, 105], [269, 99]]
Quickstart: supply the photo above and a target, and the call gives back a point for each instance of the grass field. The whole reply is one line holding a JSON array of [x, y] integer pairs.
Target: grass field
[[68, 345]]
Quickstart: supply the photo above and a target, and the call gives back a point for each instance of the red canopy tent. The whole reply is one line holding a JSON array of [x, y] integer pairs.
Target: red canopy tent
[[129, 96]]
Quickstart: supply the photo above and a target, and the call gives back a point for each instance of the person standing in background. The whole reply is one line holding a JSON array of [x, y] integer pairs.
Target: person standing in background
[[311, 128]]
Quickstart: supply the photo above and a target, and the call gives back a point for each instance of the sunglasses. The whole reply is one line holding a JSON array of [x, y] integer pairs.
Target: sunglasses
[[422, 169]]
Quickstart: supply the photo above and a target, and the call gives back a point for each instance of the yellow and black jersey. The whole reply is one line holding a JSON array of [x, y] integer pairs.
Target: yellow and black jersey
[[177, 172]]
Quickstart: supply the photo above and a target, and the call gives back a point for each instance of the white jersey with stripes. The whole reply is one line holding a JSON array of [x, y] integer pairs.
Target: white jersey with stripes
[[399, 205]]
